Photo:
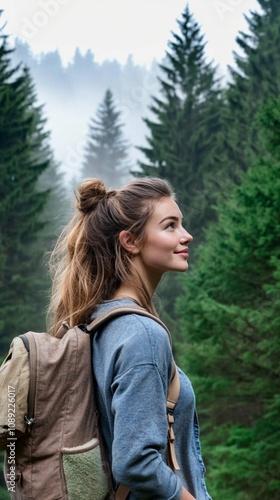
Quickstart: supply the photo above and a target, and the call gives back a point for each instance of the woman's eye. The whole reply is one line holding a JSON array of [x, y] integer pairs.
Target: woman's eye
[[170, 225]]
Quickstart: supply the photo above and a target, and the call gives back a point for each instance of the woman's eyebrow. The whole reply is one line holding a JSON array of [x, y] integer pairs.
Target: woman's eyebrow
[[172, 217]]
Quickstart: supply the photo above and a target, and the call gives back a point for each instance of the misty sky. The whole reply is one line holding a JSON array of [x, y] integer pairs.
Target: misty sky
[[117, 28]]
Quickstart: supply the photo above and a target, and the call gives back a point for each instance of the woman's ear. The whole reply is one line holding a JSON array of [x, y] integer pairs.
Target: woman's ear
[[127, 241]]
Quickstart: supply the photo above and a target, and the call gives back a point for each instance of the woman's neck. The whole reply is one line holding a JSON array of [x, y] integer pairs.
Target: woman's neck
[[126, 293]]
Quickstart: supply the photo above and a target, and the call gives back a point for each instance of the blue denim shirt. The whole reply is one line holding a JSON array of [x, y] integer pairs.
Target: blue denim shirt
[[132, 363]]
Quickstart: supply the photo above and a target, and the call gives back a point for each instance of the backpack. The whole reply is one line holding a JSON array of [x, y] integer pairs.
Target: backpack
[[49, 420]]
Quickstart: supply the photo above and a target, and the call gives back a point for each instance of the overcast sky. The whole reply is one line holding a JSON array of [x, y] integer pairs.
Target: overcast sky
[[113, 29]]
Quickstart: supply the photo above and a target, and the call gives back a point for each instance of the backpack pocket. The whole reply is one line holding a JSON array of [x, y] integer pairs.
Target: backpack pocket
[[84, 473]]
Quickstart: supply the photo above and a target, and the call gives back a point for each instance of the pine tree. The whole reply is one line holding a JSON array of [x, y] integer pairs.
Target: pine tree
[[230, 336], [106, 150], [254, 80], [183, 144], [23, 281]]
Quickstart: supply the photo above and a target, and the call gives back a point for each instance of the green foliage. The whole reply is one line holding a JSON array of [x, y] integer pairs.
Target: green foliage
[[230, 329], [106, 151], [254, 80], [247, 458]]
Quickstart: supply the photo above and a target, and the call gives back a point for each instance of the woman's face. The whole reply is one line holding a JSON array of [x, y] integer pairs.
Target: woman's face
[[166, 241]]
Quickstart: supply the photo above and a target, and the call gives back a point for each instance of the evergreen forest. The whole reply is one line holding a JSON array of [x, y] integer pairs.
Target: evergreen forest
[[219, 146]]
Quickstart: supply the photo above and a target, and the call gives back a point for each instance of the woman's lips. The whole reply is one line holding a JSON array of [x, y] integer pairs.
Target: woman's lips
[[184, 253]]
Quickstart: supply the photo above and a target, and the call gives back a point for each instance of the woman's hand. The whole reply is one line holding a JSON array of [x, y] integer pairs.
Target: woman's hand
[[186, 495]]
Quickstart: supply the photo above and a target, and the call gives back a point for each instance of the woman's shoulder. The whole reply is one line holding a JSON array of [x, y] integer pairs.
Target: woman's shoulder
[[136, 327], [134, 336]]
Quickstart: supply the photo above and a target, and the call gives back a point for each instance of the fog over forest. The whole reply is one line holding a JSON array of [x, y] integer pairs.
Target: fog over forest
[[71, 95]]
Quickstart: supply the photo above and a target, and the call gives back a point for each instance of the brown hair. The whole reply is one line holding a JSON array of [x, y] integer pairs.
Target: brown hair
[[88, 263]]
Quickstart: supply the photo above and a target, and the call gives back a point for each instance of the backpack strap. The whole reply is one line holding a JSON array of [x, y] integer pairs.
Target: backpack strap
[[30, 346], [174, 386], [122, 492], [120, 311], [172, 398]]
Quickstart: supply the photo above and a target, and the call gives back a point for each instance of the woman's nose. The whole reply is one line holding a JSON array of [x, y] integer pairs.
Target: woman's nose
[[186, 237]]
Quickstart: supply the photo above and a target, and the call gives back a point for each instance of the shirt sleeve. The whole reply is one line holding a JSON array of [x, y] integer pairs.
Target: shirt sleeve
[[140, 424]]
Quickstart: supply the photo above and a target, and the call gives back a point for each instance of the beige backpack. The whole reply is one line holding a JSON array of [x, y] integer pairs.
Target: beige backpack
[[49, 420]]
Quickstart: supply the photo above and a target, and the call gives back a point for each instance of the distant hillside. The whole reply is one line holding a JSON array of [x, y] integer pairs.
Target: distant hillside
[[71, 95]]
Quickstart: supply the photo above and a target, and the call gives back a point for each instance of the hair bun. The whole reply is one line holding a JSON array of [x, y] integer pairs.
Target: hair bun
[[89, 194]]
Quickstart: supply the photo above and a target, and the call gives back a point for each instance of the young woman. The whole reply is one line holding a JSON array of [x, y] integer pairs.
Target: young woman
[[114, 252]]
